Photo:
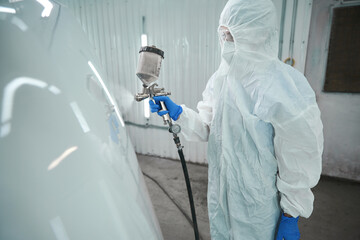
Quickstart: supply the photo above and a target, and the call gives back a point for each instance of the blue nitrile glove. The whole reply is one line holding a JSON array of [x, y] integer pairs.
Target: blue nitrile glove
[[173, 109], [288, 228]]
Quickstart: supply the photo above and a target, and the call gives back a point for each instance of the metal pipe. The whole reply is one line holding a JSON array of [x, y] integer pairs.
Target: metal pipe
[[282, 23], [292, 35], [350, 2]]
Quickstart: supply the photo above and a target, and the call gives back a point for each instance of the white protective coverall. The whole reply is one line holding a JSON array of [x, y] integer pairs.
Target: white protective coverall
[[263, 128]]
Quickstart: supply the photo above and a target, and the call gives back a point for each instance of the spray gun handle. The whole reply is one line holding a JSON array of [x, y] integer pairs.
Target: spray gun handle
[[166, 117]]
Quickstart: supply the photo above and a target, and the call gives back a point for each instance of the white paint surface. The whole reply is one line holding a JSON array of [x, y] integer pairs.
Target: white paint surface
[[43, 82], [80, 117], [59, 229]]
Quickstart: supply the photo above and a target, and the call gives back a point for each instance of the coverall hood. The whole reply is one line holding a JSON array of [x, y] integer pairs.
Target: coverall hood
[[252, 25]]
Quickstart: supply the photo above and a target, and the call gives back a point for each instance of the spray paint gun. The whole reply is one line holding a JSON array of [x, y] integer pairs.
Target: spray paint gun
[[148, 70]]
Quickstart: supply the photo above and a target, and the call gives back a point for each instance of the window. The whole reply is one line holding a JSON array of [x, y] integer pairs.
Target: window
[[343, 64]]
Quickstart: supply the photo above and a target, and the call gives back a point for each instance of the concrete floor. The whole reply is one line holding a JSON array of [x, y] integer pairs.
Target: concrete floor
[[336, 210]]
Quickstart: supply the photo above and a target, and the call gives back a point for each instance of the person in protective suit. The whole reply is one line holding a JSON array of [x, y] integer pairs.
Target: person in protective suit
[[263, 127]]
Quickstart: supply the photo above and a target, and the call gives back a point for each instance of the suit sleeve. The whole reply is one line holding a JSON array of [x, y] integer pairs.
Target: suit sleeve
[[298, 142], [298, 147]]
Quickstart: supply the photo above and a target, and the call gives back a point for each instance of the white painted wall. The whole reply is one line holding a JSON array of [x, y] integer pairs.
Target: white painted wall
[[340, 111], [186, 31]]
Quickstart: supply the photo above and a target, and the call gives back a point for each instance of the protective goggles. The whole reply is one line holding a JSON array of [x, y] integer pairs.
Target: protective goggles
[[225, 35]]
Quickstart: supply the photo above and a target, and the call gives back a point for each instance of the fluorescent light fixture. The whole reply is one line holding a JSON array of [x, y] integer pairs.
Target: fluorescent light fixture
[[107, 93], [64, 155], [7, 10], [146, 109], [48, 6], [143, 40], [80, 117]]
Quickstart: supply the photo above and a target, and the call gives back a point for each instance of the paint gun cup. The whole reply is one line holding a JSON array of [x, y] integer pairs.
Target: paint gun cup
[[149, 65], [148, 71]]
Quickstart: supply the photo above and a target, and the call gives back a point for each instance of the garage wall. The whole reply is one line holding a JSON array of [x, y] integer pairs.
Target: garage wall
[[186, 31], [340, 111]]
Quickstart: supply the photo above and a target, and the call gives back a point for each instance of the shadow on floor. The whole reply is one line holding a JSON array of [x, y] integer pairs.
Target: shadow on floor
[[336, 210]]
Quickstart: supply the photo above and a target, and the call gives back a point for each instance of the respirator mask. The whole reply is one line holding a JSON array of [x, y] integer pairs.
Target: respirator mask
[[227, 43]]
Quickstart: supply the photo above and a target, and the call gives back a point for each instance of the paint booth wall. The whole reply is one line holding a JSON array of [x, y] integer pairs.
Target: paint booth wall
[[187, 32], [340, 111]]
